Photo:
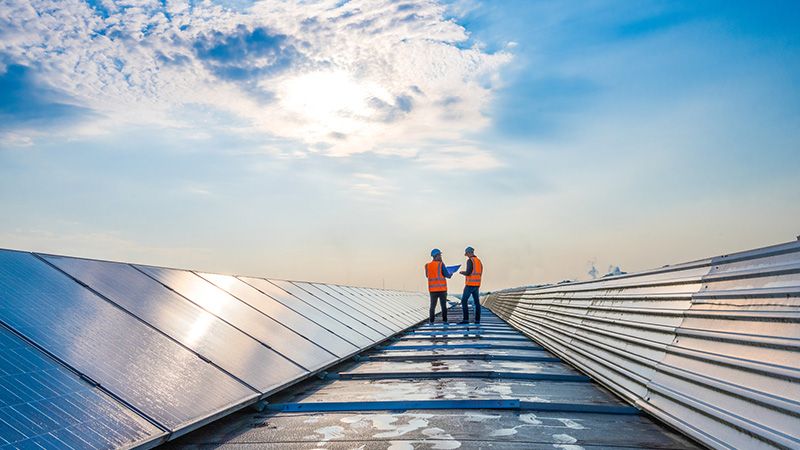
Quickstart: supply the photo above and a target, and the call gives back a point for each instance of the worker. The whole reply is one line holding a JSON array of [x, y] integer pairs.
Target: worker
[[437, 275], [472, 285]]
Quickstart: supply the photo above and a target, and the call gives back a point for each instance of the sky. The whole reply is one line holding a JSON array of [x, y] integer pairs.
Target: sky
[[340, 141]]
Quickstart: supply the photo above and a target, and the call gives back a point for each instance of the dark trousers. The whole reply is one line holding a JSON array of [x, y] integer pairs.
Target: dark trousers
[[473, 291], [442, 297]]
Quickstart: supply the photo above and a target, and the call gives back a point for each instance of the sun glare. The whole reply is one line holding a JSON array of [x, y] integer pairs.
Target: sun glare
[[330, 101]]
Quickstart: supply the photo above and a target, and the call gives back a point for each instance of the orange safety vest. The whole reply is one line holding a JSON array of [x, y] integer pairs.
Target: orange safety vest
[[474, 279], [436, 281]]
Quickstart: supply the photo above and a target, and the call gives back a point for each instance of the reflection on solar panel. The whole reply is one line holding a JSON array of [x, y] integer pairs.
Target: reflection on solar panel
[[155, 374], [273, 369], [198, 330], [102, 354], [298, 338]]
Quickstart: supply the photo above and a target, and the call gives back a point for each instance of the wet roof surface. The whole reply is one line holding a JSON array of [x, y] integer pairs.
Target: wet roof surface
[[444, 387]]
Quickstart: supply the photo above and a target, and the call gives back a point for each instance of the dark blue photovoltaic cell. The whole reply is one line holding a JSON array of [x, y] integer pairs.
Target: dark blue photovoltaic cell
[[182, 320], [329, 309], [281, 313], [310, 312], [43, 403], [136, 363]]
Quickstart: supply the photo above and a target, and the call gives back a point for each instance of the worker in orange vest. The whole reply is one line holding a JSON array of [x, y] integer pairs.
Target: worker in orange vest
[[472, 285], [437, 275]]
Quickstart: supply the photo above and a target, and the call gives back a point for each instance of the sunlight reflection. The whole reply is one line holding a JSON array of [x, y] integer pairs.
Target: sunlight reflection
[[199, 328]]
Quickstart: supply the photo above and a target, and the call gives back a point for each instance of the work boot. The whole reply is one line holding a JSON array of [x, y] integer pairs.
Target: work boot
[[464, 322]]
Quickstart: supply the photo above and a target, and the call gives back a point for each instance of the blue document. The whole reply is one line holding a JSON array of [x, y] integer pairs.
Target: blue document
[[452, 269]]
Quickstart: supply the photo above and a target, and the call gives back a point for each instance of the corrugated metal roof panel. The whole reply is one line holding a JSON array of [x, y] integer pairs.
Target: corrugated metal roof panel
[[711, 347]]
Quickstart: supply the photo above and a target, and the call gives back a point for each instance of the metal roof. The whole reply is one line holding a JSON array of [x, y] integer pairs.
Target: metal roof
[[710, 346], [444, 387]]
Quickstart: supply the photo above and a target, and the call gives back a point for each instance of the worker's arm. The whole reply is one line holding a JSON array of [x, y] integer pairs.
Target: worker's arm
[[468, 272], [445, 273]]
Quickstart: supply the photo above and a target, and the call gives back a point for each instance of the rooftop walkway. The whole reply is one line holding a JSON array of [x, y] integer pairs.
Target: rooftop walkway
[[444, 387]]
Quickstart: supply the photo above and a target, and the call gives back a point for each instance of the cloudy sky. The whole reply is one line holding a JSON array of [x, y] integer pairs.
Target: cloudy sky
[[341, 140]]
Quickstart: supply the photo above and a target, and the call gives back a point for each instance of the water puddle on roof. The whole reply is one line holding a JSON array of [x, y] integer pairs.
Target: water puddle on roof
[[530, 418], [436, 445], [566, 442], [569, 423], [329, 433]]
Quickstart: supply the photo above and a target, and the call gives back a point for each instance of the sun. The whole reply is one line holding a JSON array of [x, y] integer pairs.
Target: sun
[[330, 101]]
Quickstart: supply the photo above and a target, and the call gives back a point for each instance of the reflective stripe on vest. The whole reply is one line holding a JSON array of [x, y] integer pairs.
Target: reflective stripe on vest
[[474, 279], [436, 281]]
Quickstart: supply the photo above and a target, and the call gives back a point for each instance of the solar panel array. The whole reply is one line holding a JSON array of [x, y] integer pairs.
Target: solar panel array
[[98, 354]]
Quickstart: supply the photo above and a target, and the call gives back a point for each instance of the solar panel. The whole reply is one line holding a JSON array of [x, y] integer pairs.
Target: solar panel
[[136, 363], [283, 314], [410, 309], [276, 367], [309, 311], [377, 310], [405, 312], [351, 308], [44, 404], [200, 331], [417, 303], [397, 310], [288, 317], [386, 310], [331, 308]]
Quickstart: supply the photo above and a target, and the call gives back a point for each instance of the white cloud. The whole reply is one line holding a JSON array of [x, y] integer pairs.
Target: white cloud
[[366, 76]]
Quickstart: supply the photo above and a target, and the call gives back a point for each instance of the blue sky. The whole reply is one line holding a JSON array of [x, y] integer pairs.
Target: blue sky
[[340, 141]]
